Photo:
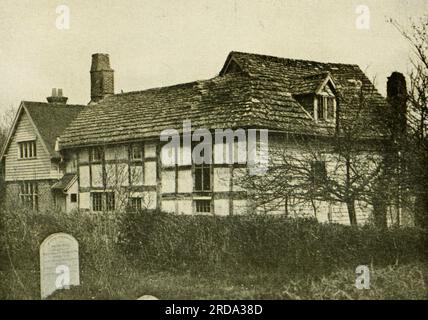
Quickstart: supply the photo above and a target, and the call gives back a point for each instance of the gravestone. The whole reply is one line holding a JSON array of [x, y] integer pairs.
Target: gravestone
[[59, 263], [147, 297]]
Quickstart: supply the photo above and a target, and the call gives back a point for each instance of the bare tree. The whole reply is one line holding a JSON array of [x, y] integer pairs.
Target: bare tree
[[344, 166], [415, 144], [6, 120]]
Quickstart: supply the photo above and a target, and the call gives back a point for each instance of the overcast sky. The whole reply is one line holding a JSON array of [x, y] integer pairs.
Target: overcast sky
[[156, 43]]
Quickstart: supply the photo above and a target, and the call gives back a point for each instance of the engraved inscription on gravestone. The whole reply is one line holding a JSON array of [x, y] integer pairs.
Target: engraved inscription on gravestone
[[59, 263]]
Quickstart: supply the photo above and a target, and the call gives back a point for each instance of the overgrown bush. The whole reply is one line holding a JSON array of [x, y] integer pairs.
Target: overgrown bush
[[260, 242], [22, 232], [117, 250]]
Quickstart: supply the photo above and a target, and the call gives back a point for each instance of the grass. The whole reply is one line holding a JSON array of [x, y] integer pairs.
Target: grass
[[400, 282]]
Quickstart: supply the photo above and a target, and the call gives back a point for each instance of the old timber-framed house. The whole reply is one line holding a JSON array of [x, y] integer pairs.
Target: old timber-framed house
[[106, 155]]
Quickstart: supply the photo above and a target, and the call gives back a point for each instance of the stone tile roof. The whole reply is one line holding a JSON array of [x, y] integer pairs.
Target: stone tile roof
[[51, 120], [308, 84], [64, 183], [288, 74], [260, 95]]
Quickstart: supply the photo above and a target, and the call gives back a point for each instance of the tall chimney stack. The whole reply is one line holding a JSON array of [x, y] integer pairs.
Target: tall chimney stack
[[102, 77], [396, 93]]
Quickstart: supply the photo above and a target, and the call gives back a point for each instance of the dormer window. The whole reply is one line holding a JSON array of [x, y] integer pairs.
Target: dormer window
[[325, 108]]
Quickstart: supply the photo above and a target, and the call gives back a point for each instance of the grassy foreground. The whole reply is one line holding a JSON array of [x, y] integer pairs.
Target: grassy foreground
[[402, 282], [128, 255]]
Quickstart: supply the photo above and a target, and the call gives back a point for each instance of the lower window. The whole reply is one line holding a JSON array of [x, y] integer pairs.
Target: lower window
[[135, 204], [103, 201], [73, 197], [97, 201], [203, 206], [28, 194]]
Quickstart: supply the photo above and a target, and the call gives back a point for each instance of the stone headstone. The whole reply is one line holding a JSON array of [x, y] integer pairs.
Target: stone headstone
[[59, 263], [147, 297]]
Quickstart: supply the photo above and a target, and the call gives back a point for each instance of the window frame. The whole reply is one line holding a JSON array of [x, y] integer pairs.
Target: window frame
[[29, 194], [96, 151], [206, 204], [73, 197], [132, 155], [203, 168], [333, 105], [27, 150], [104, 202], [99, 206], [135, 204], [322, 108]]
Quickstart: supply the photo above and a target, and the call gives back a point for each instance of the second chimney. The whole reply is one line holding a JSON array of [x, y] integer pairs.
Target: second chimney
[[102, 77], [396, 92], [57, 97]]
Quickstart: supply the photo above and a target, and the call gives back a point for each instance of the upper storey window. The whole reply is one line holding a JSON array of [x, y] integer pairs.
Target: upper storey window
[[325, 108], [27, 150], [136, 152], [96, 154]]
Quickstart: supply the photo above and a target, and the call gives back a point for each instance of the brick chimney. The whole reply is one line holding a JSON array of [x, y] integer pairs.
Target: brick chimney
[[102, 77], [57, 97], [396, 93]]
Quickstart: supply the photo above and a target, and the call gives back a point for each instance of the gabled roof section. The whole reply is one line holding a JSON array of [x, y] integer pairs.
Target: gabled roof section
[[49, 122], [292, 71], [311, 84], [252, 90], [300, 76]]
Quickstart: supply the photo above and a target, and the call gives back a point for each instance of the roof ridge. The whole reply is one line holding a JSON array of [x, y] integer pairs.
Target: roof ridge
[[281, 59], [57, 105], [190, 84], [321, 73], [178, 85]]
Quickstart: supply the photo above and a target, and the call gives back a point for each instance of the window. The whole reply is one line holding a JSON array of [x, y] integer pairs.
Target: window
[[73, 197], [96, 154], [321, 108], [72, 164], [326, 108], [331, 112], [27, 149], [136, 152], [202, 177], [28, 194], [135, 204], [318, 172], [110, 201], [203, 206], [97, 201], [98, 204]]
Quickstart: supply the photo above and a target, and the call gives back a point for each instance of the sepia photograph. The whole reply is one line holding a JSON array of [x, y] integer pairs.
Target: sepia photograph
[[202, 150]]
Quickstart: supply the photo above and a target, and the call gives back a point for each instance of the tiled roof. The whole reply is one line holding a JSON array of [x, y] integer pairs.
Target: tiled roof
[[51, 120], [349, 79], [308, 84], [65, 181], [260, 96]]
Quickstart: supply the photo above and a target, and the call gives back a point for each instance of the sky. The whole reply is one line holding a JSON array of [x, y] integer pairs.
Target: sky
[[163, 42]]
